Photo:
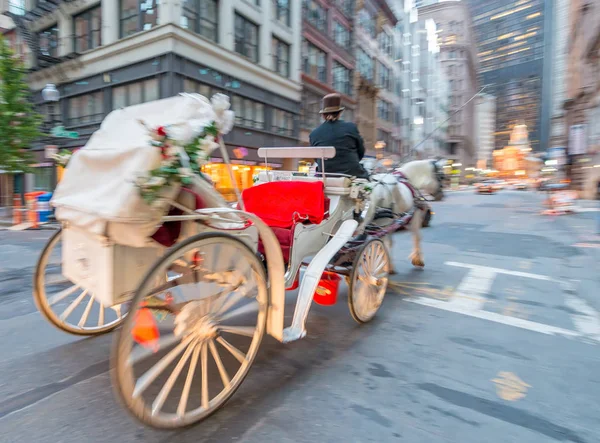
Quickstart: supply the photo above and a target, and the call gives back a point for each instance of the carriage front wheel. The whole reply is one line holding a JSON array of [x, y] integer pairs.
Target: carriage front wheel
[[65, 304], [188, 344], [368, 280]]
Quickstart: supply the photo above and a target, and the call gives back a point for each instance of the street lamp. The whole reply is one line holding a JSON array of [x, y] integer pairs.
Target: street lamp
[[50, 93]]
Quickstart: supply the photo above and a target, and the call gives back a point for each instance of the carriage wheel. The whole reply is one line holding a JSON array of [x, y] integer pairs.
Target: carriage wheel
[[368, 281], [202, 331], [66, 305]]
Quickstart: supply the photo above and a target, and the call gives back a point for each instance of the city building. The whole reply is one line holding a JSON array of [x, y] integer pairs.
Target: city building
[[515, 45], [485, 127], [328, 62], [374, 82], [459, 60], [423, 84], [103, 55], [582, 107], [514, 161], [558, 133]]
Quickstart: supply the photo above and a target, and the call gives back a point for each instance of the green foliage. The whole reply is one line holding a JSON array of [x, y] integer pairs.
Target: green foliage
[[19, 123]]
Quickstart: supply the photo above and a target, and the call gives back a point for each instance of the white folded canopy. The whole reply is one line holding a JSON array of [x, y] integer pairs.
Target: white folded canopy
[[97, 192]]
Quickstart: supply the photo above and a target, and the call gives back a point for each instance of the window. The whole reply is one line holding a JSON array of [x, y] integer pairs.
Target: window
[[384, 110], [135, 93], [341, 78], [48, 41], [384, 77], [282, 11], [88, 29], [85, 109], [397, 116], [365, 64], [367, 22], [281, 57], [311, 103], [138, 15], [341, 35], [385, 43], [315, 62], [248, 113], [315, 14], [201, 17], [282, 122], [246, 38], [452, 54]]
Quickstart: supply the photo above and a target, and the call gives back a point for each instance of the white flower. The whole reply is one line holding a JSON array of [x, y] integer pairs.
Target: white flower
[[220, 103], [203, 158], [141, 181], [155, 182], [225, 122], [172, 151], [185, 172], [207, 144], [167, 162]]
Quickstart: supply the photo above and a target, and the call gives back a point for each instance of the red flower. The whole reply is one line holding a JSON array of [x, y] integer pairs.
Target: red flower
[[163, 151], [161, 131]]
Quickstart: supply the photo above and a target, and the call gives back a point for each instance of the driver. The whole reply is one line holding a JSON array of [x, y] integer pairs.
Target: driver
[[344, 136]]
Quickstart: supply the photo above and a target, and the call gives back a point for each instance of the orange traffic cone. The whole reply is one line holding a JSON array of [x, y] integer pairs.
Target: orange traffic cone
[[145, 331]]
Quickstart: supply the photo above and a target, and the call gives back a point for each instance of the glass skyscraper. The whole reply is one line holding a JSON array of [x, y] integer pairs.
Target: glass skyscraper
[[515, 63]]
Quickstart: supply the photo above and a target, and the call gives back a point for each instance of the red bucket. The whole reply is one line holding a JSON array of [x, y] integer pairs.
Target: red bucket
[[326, 293]]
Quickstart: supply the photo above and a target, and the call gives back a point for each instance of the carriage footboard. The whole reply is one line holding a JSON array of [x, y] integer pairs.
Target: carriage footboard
[[311, 279]]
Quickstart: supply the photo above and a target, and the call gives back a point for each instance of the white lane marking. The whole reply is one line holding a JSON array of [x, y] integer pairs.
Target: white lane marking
[[501, 271], [472, 290], [497, 318], [586, 319]]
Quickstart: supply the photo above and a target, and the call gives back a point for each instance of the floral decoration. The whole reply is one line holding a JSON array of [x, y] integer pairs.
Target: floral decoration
[[62, 157], [185, 151]]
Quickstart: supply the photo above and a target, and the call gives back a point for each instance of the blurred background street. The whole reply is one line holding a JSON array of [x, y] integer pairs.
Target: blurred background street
[[496, 340]]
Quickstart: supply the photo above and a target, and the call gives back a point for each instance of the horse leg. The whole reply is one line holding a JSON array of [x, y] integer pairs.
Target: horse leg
[[388, 241], [415, 226]]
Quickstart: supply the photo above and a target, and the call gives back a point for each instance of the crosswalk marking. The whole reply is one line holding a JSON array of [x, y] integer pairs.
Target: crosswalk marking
[[473, 289], [497, 318], [585, 318], [501, 271], [469, 299]]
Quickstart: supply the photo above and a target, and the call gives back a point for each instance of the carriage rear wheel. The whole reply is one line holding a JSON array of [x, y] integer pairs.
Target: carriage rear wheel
[[188, 344], [66, 305], [368, 280]]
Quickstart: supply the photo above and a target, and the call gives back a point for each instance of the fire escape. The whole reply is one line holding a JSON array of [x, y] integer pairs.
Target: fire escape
[[41, 58]]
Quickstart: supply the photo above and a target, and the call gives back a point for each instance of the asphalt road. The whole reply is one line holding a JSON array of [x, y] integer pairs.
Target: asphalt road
[[496, 340]]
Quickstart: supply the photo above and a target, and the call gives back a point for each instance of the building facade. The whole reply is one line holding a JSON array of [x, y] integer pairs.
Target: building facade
[[103, 55], [374, 83], [558, 133], [328, 62], [459, 60], [423, 84], [582, 107], [515, 43], [485, 112]]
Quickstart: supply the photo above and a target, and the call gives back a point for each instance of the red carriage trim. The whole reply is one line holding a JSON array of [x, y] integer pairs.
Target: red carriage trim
[[283, 203]]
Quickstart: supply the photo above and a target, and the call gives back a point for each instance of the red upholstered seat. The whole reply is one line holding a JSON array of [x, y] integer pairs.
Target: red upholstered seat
[[283, 204]]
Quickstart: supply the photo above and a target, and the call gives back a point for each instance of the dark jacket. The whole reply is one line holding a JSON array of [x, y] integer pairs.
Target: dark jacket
[[349, 147]]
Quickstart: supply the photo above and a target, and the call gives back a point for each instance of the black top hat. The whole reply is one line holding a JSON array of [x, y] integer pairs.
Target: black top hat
[[332, 103]]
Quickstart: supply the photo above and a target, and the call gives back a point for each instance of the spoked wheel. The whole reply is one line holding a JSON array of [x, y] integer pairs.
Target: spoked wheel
[[189, 343], [368, 281], [66, 305]]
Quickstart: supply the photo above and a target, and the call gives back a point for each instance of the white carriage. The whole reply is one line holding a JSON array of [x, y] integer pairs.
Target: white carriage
[[194, 283]]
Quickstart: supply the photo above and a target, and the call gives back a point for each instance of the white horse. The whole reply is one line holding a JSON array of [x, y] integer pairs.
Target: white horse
[[392, 193]]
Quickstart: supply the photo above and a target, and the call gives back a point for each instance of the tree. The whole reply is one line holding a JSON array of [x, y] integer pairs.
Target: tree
[[19, 122]]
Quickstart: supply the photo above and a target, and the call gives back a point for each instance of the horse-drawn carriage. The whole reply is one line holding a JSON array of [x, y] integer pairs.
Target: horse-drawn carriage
[[148, 244]]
